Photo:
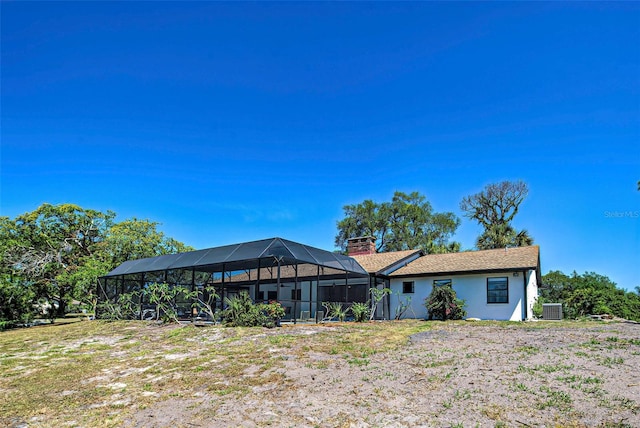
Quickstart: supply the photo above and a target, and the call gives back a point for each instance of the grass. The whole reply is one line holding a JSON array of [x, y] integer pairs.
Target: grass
[[55, 372], [101, 373]]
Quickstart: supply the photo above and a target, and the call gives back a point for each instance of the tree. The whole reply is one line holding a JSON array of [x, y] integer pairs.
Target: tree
[[15, 302], [137, 239], [589, 293], [49, 245], [494, 208], [55, 254], [407, 222]]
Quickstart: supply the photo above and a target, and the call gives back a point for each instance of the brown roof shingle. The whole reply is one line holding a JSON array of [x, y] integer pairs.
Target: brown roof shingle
[[373, 263], [473, 261]]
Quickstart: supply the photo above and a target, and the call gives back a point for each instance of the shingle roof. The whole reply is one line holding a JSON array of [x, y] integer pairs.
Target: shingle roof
[[377, 262], [473, 261]]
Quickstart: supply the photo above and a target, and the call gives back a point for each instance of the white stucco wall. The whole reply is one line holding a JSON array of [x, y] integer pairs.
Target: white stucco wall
[[473, 289], [532, 292]]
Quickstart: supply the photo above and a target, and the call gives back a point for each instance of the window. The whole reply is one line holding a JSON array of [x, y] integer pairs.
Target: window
[[272, 295], [441, 282], [498, 290], [296, 294], [407, 287]]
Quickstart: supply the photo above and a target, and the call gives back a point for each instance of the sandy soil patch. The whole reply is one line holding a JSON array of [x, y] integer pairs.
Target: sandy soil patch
[[384, 374], [454, 375]]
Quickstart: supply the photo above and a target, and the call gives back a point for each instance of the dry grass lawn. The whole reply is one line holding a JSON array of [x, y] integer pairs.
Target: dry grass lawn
[[382, 374]]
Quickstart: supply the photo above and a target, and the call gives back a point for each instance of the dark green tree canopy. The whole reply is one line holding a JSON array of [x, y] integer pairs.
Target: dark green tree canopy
[[494, 208], [589, 293], [407, 222], [55, 253]]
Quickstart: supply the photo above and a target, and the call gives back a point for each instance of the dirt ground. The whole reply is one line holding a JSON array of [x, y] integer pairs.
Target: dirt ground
[[451, 376]]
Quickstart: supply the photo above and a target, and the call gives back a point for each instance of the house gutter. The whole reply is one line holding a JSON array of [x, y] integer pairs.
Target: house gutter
[[462, 272]]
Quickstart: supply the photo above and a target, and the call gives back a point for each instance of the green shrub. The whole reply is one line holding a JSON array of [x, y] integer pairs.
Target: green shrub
[[127, 307], [164, 296], [360, 311], [242, 312], [443, 304], [335, 310], [537, 307], [274, 310]]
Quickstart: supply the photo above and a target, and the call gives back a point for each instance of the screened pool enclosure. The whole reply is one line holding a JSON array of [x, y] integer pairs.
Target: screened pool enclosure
[[300, 277]]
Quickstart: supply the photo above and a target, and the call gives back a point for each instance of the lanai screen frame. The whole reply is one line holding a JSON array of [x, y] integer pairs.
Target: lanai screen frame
[[276, 263]]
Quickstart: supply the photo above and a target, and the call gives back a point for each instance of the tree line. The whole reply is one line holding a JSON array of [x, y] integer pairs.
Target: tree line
[[588, 294], [408, 221], [54, 255]]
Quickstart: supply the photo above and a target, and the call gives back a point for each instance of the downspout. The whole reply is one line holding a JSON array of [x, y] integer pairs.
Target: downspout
[[526, 299]]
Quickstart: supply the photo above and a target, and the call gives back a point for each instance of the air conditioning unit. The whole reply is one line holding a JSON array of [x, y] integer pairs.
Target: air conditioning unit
[[552, 311]]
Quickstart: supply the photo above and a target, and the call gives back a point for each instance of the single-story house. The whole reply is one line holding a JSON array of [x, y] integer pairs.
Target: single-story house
[[496, 284], [500, 284]]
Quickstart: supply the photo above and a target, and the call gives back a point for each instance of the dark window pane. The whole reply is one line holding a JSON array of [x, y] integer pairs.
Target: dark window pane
[[407, 287], [497, 290]]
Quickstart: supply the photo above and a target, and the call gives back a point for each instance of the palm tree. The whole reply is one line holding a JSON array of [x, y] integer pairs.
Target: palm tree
[[502, 235]]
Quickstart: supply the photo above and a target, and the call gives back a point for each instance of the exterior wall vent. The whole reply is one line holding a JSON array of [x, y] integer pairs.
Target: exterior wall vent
[[552, 311]]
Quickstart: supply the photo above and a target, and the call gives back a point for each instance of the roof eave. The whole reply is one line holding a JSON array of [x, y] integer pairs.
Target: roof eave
[[463, 272], [388, 270]]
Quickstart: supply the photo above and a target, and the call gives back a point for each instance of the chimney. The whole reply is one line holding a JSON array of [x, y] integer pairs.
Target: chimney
[[361, 246]]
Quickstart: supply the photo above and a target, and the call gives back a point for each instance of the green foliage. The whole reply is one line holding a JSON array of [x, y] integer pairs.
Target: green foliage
[[494, 208], [136, 239], [404, 303], [55, 254], [443, 304], [16, 303], [335, 310], [407, 222], [274, 310], [164, 296], [46, 247], [589, 294], [537, 307], [125, 308], [206, 301], [502, 236], [360, 311], [242, 312], [377, 295]]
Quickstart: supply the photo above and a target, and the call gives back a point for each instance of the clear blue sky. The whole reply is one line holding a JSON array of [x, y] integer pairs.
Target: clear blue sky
[[229, 122]]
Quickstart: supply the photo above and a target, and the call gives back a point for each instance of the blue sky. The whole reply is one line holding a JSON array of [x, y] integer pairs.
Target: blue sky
[[229, 122]]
